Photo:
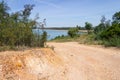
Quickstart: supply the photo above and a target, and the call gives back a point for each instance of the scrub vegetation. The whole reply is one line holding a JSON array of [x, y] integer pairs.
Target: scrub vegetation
[[106, 33], [16, 29]]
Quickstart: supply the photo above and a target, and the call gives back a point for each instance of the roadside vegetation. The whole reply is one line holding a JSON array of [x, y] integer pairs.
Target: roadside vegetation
[[106, 33], [16, 29]]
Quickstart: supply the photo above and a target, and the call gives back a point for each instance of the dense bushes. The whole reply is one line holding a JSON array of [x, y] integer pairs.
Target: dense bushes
[[113, 41], [16, 28], [109, 34]]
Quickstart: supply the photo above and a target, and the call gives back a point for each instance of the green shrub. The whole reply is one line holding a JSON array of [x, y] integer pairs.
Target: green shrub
[[73, 32], [111, 32], [114, 41], [43, 39], [39, 40]]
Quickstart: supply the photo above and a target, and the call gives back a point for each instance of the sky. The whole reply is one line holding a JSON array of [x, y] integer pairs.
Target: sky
[[68, 13]]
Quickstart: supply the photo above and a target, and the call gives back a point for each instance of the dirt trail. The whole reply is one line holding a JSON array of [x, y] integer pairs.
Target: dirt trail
[[68, 61], [85, 62]]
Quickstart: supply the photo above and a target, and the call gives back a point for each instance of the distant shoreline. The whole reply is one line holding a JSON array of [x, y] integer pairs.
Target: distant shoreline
[[62, 29], [67, 30]]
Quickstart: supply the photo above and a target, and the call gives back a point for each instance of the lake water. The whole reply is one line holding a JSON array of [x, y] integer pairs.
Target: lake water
[[52, 33]]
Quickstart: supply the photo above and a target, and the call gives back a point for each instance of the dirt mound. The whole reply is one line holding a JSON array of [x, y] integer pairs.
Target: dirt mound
[[35, 64]]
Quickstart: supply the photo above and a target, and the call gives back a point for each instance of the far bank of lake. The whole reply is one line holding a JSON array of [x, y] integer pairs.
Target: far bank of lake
[[53, 33]]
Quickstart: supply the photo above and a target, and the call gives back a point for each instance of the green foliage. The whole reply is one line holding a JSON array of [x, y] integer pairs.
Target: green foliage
[[60, 37], [109, 34], [64, 39], [43, 39], [99, 28], [26, 12], [39, 40], [116, 18], [104, 25], [88, 26], [16, 28], [73, 32], [88, 39], [79, 27], [113, 41]]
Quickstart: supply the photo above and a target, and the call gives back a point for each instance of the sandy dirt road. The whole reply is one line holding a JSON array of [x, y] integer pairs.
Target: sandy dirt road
[[83, 62], [68, 61]]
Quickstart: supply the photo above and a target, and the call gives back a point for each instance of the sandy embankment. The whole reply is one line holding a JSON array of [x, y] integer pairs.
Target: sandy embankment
[[34, 64]]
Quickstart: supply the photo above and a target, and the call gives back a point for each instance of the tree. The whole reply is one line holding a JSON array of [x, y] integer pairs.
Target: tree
[[79, 27], [107, 23], [88, 27], [16, 28], [3, 14], [107, 33], [3, 19], [113, 30], [102, 26], [43, 39], [3, 10], [103, 19], [116, 18], [27, 11], [73, 32]]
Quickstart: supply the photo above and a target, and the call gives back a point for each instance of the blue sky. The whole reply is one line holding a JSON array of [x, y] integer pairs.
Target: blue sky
[[68, 13]]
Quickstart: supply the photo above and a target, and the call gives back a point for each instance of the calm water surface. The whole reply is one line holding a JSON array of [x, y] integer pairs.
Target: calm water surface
[[52, 33]]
